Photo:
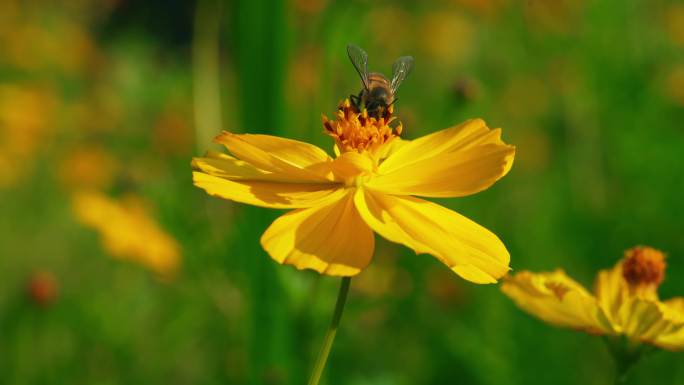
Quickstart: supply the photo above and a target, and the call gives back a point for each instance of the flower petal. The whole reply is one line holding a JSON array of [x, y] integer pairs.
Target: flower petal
[[279, 155], [557, 299], [470, 250], [454, 162], [614, 295], [640, 316], [675, 309], [226, 166], [674, 340], [269, 194], [331, 239], [644, 320], [466, 135], [350, 165]]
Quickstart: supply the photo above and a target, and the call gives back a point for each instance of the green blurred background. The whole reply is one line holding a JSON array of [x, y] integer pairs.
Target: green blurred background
[[114, 269]]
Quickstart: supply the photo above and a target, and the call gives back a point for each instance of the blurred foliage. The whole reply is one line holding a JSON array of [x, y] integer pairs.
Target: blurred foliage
[[113, 98]]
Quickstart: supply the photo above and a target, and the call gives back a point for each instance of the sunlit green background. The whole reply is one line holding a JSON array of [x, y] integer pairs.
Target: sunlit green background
[[116, 97]]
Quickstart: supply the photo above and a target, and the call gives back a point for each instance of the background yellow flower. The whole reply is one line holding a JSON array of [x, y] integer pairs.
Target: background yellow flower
[[128, 232], [625, 301]]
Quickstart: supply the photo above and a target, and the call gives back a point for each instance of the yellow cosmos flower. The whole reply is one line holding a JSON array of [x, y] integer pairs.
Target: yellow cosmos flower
[[625, 300], [338, 203], [128, 232]]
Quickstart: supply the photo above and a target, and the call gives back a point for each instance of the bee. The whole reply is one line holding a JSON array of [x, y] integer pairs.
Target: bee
[[378, 93]]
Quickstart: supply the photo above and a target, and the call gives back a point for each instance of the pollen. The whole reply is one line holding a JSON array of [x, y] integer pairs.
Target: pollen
[[355, 130], [643, 266]]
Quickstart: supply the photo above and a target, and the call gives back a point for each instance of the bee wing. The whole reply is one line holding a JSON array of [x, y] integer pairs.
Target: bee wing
[[400, 71], [359, 59]]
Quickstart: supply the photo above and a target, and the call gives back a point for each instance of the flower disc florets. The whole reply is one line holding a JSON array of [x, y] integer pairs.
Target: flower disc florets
[[643, 266], [355, 130]]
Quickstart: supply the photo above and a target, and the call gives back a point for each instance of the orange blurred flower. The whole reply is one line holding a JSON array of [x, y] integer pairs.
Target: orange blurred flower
[[303, 76], [310, 7], [88, 167], [558, 16], [172, 132], [42, 288]]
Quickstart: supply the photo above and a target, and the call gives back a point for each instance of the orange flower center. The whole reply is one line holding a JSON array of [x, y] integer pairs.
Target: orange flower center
[[643, 266], [354, 130]]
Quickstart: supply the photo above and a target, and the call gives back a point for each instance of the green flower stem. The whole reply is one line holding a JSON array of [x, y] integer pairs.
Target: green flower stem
[[626, 354], [621, 369], [319, 366]]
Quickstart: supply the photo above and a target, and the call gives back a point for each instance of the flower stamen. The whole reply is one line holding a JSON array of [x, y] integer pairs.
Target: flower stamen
[[355, 130]]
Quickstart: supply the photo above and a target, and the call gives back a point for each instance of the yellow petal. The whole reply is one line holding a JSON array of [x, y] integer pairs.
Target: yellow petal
[[674, 311], [226, 166], [615, 296], [389, 148], [557, 299], [611, 292], [449, 174], [639, 317], [330, 239], [350, 165], [279, 155], [269, 194], [644, 320], [671, 341], [470, 250], [469, 134]]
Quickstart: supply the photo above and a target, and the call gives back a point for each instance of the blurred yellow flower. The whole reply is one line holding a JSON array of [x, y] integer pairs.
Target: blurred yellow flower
[[674, 84], [483, 7], [64, 43], [448, 37], [128, 232], [674, 22], [172, 134], [625, 300], [340, 202], [26, 121]]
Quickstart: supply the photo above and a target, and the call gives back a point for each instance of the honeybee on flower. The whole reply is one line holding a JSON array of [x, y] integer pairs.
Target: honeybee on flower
[[378, 92], [369, 186]]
